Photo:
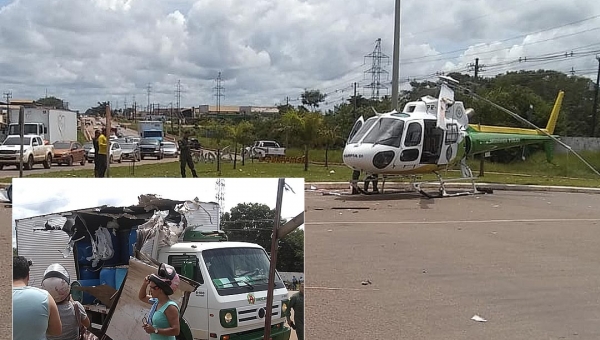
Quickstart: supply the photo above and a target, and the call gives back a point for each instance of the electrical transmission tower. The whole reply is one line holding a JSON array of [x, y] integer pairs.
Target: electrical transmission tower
[[220, 196], [376, 70], [218, 89]]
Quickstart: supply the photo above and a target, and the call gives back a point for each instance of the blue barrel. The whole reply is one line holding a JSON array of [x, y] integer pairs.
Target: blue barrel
[[89, 273], [107, 276], [84, 250], [120, 277], [84, 297]]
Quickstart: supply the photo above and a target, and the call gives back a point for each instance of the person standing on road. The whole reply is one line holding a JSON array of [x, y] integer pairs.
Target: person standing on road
[[95, 143], [185, 156], [35, 313], [297, 304], [294, 282], [102, 153]]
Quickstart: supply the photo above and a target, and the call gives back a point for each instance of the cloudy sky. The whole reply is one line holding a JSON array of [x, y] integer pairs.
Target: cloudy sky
[[85, 51], [64, 194]]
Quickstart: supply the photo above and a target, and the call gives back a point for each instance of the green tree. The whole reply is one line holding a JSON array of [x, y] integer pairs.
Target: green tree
[[330, 134], [52, 102], [313, 98], [253, 222], [239, 133]]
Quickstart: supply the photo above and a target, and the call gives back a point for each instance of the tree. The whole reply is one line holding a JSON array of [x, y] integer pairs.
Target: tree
[[52, 102], [330, 135], [99, 110], [239, 133], [313, 98], [253, 222]]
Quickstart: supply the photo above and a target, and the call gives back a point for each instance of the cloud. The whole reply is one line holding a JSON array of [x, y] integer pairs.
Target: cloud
[[267, 50]]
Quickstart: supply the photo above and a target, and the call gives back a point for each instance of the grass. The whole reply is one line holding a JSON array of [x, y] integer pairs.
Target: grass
[[566, 170]]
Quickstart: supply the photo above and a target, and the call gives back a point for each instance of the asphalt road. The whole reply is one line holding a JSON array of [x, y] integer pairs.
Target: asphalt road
[[6, 272], [527, 262]]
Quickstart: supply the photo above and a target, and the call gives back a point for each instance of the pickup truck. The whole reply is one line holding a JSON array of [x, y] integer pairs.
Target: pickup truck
[[263, 148], [34, 152]]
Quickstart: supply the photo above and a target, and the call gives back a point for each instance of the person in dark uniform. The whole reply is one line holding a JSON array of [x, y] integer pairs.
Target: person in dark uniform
[[95, 143], [185, 156], [297, 304]]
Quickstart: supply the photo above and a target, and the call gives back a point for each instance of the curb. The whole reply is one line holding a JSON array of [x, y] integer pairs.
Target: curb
[[493, 186]]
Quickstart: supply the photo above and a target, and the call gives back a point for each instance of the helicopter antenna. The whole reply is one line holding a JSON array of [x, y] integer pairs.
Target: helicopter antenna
[[525, 121]]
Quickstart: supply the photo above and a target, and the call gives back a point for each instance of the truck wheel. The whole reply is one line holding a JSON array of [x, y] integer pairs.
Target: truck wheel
[[47, 162], [29, 163], [1, 167]]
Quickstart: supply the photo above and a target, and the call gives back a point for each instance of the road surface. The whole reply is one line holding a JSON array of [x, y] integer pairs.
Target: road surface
[[527, 262]]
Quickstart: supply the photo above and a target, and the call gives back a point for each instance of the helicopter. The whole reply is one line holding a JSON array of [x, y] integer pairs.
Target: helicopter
[[430, 135]]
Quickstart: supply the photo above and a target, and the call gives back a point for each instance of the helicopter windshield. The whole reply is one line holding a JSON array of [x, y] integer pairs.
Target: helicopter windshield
[[363, 130], [387, 131]]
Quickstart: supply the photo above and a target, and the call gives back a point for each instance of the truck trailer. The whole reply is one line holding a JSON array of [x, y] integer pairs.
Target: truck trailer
[[111, 249], [51, 124]]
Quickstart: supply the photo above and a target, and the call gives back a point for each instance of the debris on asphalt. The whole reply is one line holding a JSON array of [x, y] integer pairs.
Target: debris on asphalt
[[350, 208], [366, 282], [312, 187], [478, 318], [329, 230], [318, 208], [331, 194]]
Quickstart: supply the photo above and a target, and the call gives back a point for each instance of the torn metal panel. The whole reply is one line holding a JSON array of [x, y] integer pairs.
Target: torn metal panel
[[200, 216]]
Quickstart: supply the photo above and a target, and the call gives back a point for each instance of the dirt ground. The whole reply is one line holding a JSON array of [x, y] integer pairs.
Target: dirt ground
[[527, 262], [6, 272]]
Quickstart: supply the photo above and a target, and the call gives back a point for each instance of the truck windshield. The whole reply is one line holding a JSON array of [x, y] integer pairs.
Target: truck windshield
[[152, 134], [29, 129], [238, 270], [17, 141]]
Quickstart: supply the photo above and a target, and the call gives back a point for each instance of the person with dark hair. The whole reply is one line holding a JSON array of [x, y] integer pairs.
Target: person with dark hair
[[35, 313], [163, 322], [102, 153], [72, 313]]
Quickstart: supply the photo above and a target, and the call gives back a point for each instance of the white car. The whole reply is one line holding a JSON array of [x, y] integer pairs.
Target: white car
[[170, 149], [116, 153]]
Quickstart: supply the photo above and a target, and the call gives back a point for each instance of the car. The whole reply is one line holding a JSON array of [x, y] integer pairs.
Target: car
[[116, 153], [131, 151], [151, 147], [86, 148], [170, 149], [68, 152]]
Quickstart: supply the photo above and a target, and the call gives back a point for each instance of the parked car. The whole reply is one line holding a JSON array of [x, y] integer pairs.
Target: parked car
[[131, 151], [151, 147], [170, 149], [116, 153], [68, 152]]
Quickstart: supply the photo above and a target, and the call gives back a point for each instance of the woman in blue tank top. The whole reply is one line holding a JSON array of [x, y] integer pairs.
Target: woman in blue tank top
[[163, 320]]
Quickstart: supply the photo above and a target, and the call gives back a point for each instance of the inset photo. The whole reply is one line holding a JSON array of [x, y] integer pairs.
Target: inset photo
[[210, 258]]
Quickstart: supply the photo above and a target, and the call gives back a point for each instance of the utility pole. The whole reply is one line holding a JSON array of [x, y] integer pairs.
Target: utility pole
[[595, 107], [178, 108], [134, 107], [396, 57], [148, 88], [376, 70], [218, 88], [354, 111], [8, 95], [476, 67]]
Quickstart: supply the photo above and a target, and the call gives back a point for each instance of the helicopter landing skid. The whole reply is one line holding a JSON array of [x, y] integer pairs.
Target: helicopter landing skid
[[442, 187]]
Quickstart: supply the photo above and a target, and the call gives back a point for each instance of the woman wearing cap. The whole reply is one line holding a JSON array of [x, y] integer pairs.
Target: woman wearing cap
[[164, 323], [72, 314]]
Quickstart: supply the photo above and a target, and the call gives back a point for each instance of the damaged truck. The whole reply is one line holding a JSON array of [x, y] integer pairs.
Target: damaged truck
[[108, 252]]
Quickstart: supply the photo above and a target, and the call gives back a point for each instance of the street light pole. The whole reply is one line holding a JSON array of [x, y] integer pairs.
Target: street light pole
[[396, 63], [595, 107]]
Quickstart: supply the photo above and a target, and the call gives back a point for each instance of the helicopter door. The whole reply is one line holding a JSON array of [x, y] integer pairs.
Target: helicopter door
[[411, 146], [357, 125], [432, 143]]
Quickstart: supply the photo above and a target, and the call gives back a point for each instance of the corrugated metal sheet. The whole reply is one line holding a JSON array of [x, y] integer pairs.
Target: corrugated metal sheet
[[43, 247], [205, 218]]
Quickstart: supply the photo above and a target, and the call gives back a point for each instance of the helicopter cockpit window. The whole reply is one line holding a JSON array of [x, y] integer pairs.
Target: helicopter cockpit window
[[363, 130], [413, 134], [387, 131], [451, 133]]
